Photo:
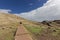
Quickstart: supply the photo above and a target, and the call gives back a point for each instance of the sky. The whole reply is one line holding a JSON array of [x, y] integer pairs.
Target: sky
[[20, 6], [35, 10]]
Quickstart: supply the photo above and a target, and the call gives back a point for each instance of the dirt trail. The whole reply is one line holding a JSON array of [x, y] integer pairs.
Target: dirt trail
[[22, 34]]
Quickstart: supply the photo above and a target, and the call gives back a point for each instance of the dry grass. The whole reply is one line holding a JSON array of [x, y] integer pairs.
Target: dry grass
[[8, 26], [44, 32], [39, 31]]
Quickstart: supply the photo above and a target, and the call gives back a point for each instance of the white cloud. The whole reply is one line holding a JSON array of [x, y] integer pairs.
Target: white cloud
[[5, 10], [50, 11]]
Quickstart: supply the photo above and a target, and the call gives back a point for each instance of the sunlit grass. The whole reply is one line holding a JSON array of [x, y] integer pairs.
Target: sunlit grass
[[7, 31], [33, 29]]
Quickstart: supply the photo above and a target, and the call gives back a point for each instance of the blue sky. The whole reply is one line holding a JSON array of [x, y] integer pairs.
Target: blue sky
[[49, 11], [36, 10], [21, 6]]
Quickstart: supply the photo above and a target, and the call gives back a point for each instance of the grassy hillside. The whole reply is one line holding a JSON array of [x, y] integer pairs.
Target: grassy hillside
[[8, 26], [49, 30], [39, 30]]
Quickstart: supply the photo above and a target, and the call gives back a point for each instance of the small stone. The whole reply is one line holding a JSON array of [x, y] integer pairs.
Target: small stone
[[20, 22], [3, 28], [54, 30]]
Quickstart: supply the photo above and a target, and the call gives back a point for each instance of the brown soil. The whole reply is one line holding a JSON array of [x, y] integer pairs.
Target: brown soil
[[22, 34]]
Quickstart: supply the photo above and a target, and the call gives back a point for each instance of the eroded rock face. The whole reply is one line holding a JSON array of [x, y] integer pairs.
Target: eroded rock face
[[46, 23], [57, 21]]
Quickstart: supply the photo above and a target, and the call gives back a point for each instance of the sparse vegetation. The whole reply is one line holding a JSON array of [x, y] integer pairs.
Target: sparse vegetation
[[8, 26], [7, 32], [38, 30], [33, 29]]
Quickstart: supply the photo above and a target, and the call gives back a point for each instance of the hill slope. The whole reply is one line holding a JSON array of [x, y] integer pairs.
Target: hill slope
[[46, 30], [8, 26]]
